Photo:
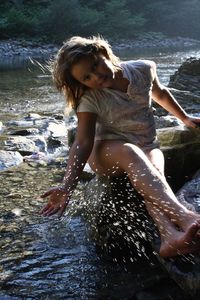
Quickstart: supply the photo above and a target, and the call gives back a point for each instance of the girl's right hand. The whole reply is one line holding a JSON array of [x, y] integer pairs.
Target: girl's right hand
[[58, 201]]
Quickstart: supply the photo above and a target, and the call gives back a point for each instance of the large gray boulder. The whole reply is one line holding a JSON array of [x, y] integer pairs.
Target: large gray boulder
[[187, 77], [184, 85], [120, 224]]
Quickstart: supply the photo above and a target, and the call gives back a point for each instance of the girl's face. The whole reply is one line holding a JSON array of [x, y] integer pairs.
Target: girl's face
[[94, 72]]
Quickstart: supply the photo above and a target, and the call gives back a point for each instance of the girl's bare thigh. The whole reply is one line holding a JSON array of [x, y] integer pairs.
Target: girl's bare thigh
[[108, 157]]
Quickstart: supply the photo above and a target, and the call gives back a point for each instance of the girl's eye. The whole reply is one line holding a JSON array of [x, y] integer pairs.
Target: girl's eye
[[86, 78]]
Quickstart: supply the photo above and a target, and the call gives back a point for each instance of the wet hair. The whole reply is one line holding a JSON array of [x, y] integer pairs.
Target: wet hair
[[72, 51]]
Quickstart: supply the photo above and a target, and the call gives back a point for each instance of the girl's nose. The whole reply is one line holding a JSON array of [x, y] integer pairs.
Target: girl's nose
[[97, 75]]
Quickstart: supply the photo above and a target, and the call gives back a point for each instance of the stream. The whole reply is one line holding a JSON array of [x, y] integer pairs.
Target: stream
[[51, 258]]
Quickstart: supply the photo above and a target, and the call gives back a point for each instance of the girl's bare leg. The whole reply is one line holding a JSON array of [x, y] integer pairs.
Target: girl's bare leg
[[145, 172]]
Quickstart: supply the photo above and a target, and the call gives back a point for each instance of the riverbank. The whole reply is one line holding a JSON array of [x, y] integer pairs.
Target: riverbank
[[23, 48]]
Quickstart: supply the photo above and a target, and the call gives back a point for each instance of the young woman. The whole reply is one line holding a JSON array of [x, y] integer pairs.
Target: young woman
[[116, 134]]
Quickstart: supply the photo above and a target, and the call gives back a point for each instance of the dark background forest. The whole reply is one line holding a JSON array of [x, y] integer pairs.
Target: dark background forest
[[53, 21]]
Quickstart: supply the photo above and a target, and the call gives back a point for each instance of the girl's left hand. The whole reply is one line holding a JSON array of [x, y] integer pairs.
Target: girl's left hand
[[192, 122], [58, 201]]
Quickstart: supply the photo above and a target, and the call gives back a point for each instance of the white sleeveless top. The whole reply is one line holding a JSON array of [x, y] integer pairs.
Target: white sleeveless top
[[125, 116]]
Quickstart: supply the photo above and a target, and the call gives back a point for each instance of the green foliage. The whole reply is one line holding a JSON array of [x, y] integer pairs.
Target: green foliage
[[61, 19], [116, 19], [57, 20], [174, 17]]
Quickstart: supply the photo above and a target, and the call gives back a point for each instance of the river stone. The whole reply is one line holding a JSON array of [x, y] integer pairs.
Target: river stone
[[40, 143], [181, 149], [9, 159], [166, 121], [21, 144], [119, 222], [178, 135], [57, 128], [187, 77], [33, 116], [25, 132]]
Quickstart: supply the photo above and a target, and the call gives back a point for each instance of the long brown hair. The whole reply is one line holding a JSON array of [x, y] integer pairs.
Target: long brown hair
[[70, 53]]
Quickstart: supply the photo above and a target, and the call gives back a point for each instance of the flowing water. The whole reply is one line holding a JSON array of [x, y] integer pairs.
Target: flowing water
[[51, 258]]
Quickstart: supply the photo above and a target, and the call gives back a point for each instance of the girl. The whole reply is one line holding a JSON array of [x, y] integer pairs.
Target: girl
[[116, 134]]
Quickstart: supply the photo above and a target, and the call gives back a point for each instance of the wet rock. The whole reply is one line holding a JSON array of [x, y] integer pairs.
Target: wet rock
[[181, 148], [166, 121], [21, 144], [42, 123], [25, 132], [187, 77], [178, 135], [184, 85], [120, 224], [54, 143], [33, 116], [40, 143], [9, 159], [57, 129], [58, 117]]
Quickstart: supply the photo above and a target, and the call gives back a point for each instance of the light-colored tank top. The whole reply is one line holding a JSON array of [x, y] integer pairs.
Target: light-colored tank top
[[125, 116]]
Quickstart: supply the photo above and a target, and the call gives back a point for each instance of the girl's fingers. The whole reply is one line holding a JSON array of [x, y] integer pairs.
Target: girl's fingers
[[45, 208], [46, 194], [50, 211]]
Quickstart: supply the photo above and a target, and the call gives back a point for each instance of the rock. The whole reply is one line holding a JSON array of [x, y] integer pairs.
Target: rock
[[33, 116], [187, 77], [53, 144], [120, 225], [11, 48], [181, 148], [25, 132], [166, 121], [177, 135], [9, 159], [184, 85], [57, 128], [40, 143], [21, 144]]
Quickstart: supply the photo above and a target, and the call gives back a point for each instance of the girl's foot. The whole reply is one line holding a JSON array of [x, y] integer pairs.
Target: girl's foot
[[180, 243]]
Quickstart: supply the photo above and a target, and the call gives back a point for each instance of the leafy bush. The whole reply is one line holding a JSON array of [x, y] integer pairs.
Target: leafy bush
[[57, 20]]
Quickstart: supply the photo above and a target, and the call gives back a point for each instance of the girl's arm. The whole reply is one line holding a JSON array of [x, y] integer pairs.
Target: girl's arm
[[163, 97], [78, 156]]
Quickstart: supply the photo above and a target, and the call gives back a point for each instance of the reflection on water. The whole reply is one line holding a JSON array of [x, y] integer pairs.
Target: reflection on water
[[50, 258], [44, 258], [40, 256], [28, 89]]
